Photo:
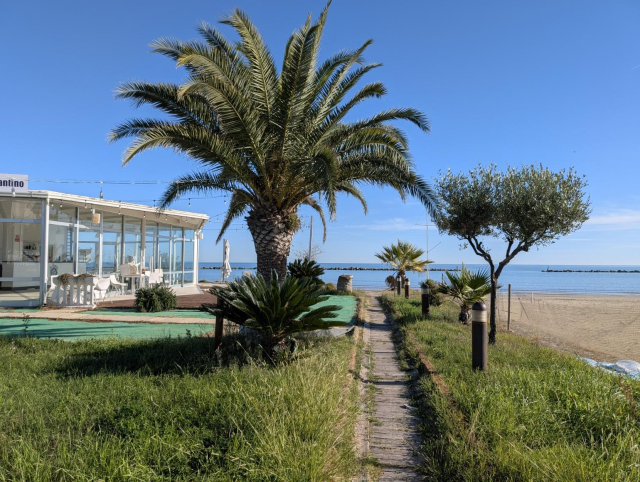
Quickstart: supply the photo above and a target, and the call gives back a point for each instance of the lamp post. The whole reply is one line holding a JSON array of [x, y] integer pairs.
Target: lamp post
[[398, 283], [479, 338], [407, 288], [424, 291]]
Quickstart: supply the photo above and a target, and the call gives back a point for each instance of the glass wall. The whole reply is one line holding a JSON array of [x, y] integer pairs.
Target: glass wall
[[111, 243], [20, 251], [132, 240], [83, 239]]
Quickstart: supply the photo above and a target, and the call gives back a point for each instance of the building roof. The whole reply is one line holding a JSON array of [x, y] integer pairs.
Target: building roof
[[151, 213]]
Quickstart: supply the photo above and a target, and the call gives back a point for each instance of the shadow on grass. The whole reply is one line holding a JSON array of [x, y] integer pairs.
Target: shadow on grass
[[178, 356]]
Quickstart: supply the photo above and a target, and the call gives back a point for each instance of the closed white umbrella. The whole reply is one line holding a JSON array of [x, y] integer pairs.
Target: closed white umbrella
[[226, 267]]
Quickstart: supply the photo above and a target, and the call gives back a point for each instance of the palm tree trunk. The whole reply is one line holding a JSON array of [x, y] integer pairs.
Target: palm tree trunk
[[272, 233]]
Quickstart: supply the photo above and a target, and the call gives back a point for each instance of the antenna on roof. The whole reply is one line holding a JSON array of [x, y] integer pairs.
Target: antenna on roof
[[101, 194]]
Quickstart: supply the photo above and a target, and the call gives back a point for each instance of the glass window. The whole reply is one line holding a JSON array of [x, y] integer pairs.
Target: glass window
[[61, 245], [176, 279], [188, 277], [188, 255], [64, 214], [111, 244], [133, 226], [20, 209], [88, 252], [176, 265], [132, 248], [164, 248], [89, 218], [188, 234], [20, 255], [112, 222], [150, 253], [164, 230], [152, 228]]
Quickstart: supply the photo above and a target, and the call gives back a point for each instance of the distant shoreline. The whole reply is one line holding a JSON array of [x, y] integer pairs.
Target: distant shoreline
[[348, 268]]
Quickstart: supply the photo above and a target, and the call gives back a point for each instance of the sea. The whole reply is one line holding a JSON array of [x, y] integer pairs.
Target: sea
[[522, 277]]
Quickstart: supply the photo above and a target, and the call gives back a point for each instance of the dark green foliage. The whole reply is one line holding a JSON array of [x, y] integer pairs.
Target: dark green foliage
[[435, 298], [465, 288], [305, 268], [274, 310], [526, 207], [330, 287], [274, 138], [155, 298]]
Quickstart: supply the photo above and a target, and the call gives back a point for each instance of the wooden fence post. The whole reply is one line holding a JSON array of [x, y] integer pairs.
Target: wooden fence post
[[219, 325], [509, 309]]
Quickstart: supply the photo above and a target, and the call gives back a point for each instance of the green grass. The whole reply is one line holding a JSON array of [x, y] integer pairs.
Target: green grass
[[535, 415], [172, 410]]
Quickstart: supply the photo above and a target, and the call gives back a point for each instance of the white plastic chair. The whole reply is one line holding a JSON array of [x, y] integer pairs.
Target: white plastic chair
[[101, 287], [116, 285], [153, 279]]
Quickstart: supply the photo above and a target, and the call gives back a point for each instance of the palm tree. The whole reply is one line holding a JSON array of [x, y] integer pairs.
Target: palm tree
[[466, 288], [275, 140], [403, 257]]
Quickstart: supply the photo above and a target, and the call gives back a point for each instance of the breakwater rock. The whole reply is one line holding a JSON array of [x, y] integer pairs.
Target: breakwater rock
[[349, 268], [590, 271]]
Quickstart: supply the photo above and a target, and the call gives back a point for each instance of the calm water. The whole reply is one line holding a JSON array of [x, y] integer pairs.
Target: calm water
[[521, 277]]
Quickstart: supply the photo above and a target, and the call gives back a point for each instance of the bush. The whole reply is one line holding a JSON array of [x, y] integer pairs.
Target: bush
[[330, 287], [274, 310], [435, 298], [154, 299], [305, 268]]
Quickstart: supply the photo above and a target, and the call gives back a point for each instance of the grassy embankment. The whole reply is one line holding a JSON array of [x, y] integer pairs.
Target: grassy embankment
[[535, 415], [172, 410]]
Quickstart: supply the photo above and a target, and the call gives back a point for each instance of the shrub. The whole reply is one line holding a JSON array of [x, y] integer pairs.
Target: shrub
[[274, 310], [155, 298], [305, 268], [435, 298], [330, 287]]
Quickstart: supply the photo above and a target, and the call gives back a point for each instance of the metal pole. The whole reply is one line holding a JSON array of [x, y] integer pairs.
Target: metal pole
[[398, 287], [427, 246], [310, 237], [479, 337], [509, 308], [407, 288]]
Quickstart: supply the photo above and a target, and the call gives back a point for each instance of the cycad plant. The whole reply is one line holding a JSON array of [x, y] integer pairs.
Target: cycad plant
[[276, 139], [274, 310], [403, 257], [305, 268], [465, 288]]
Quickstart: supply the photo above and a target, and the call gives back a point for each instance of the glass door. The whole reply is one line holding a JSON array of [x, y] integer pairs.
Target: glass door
[[20, 252]]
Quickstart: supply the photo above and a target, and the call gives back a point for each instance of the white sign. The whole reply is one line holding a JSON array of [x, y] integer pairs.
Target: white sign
[[14, 182]]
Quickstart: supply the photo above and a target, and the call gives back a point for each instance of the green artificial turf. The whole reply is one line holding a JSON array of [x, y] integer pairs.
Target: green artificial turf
[[82, 330]]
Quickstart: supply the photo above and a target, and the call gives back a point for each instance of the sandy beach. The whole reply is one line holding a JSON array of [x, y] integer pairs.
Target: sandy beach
[[603, 327]]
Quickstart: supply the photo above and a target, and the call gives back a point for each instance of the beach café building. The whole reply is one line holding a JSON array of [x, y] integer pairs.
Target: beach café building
[[44, 234]]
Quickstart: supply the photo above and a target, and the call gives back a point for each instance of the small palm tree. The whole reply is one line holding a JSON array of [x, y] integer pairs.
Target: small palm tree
[[304, 268], [274, 139], [403, 257], [274, 310], [465, 288]]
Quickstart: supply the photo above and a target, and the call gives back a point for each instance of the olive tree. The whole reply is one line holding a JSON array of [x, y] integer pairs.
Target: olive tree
[[527, 207]]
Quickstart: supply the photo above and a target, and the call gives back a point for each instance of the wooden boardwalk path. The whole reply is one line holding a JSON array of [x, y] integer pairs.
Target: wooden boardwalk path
[[393, 438]]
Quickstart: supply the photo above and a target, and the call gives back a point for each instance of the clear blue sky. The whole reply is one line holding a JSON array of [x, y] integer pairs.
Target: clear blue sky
[[503, 82]]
